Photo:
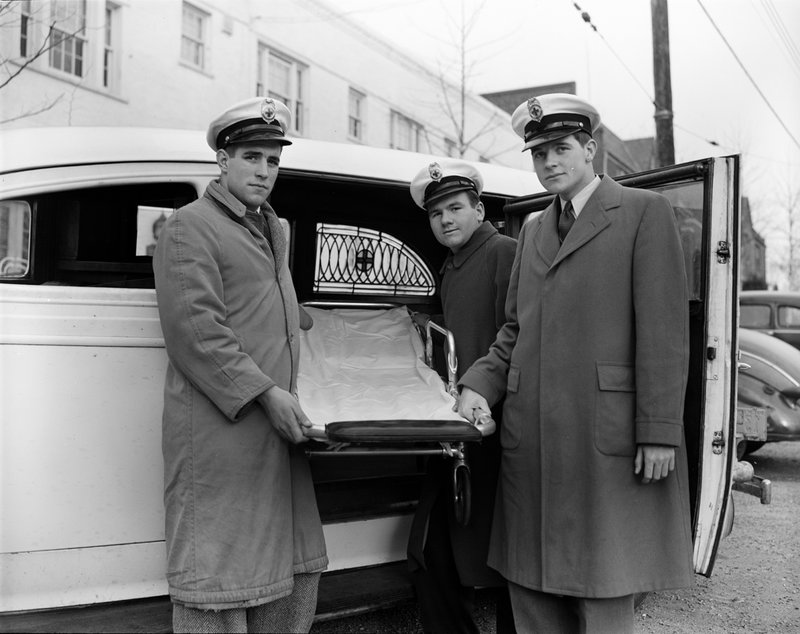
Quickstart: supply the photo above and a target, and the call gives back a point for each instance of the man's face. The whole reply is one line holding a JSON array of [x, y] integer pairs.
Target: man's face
[[249, 170], [564, 166], [454, 219]]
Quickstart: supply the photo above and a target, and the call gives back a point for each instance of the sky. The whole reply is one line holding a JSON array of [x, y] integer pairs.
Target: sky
[[735, 72]]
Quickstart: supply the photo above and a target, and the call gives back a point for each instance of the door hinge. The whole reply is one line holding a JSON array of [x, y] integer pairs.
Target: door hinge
[[718, 444], [723, 252]]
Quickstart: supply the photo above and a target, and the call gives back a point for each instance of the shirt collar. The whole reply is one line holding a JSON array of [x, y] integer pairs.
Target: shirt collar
[[579, 200], [223, 196], [484, 231]]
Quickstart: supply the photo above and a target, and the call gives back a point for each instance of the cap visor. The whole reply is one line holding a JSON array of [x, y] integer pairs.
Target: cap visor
[[445, 191], [255, 137], [553, 135]]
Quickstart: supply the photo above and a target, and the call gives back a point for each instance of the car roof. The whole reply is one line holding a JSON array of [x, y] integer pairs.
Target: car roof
[[786, 356], [38, 148], [770, 296]]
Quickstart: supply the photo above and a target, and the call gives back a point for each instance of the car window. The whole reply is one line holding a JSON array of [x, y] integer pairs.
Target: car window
[[15, 236], [92, 236], [687, 202], [788, 317], [754, 316]]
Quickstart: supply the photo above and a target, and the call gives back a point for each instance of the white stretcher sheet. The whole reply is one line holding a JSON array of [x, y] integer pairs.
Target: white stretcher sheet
[[364, 364]]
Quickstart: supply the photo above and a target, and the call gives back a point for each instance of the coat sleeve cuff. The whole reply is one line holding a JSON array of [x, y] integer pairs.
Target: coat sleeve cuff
[[659, 431], [246, 405], [484, 384]]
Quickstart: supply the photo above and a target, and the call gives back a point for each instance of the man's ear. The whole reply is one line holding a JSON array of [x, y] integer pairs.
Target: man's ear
[[591, 150], [222, 160], [481, 210]]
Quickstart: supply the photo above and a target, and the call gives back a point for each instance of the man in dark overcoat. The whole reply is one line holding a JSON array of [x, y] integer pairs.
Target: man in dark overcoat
[[594, 498], [448, 560]]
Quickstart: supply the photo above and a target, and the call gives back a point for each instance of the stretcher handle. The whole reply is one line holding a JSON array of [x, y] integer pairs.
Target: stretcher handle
[[485, 423], [450, 352]]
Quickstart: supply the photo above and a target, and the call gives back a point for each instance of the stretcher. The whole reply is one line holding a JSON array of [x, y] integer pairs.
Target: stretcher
[[367, 383]]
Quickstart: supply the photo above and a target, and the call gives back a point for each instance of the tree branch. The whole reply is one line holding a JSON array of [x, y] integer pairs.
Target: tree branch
[[34, 112]]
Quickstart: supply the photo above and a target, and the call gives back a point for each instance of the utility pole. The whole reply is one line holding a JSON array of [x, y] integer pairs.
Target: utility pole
[[665, 144]]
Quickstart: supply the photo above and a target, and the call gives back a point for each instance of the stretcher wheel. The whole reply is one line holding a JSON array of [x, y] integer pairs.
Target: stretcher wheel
[[462, 493]]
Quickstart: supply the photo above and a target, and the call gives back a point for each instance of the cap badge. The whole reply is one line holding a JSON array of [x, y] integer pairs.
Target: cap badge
[[535, 109], [268, 110], [435, 171]]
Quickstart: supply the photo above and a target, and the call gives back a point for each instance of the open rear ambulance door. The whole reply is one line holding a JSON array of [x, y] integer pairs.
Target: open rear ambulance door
[[705, 197]]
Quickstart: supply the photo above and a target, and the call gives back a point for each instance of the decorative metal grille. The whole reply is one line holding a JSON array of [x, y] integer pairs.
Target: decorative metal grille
[[354, 260]]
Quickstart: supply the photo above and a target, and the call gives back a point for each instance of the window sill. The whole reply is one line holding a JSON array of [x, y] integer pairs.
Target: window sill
[[196, 69], [78, 82]]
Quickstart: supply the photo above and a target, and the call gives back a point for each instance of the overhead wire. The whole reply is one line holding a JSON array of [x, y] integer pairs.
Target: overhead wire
[[587, 18], [749, 76], [783, 33]]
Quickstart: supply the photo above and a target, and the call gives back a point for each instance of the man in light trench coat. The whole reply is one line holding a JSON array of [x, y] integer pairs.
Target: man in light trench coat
[[593, 503], [244, 540]]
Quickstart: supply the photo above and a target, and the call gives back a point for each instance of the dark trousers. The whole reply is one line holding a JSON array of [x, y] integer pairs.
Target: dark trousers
[[536, 611], [444, 604]]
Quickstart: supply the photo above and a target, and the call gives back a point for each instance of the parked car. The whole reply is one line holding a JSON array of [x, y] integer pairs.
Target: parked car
[[769, 377], [775, 313], [83, 356]]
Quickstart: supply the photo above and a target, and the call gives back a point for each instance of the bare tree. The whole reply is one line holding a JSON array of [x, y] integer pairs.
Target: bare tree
[[15, 22], [781, 224], [455, 106], [788, 205]]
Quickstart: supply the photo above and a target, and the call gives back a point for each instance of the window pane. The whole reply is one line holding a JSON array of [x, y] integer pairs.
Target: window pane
[[15, 233], [754, 316], [55, 55], [279, 75], [193, 36], [788, 316], [69, 15], [355, 104], [78, 57], [687, 203], [192, 23]]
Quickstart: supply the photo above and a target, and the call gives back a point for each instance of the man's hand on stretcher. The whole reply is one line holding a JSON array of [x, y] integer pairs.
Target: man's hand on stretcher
[[471, 405], [285, 414]]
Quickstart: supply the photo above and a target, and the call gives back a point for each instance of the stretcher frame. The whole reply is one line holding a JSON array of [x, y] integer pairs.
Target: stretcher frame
[[403, 437]]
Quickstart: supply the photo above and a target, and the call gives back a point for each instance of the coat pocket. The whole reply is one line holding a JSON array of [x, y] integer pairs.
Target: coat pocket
[[511, 427], [615, 409]]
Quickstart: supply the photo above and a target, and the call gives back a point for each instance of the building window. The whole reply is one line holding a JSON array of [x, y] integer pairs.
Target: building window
[[193, 38], [25, 27], [355, 124], [109, 46], [69, 36], [450, 147], [284, 79], [406, 133]]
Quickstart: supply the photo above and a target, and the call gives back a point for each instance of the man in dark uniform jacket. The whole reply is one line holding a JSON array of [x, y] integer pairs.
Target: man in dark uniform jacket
[[449, 560]]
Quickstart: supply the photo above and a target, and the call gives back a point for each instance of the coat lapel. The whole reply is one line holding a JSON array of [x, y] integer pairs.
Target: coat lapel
[[546, 238], [277, 236], [593, 218]]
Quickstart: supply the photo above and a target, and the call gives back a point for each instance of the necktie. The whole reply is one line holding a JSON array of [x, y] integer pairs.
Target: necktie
[[258, 220], [565, 221]]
